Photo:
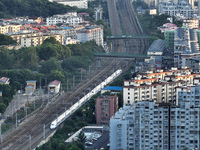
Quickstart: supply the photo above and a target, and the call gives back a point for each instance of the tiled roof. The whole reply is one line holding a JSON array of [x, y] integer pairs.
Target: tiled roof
[[30, 85], [55, 82], [4, 79]]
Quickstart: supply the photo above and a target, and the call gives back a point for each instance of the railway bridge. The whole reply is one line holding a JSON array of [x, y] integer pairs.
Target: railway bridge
[[122, 56]]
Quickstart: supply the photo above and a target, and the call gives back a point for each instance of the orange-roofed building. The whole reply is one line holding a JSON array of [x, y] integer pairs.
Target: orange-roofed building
[[158, 86]]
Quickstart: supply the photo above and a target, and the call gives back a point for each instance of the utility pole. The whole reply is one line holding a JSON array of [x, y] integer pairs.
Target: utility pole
[[67, 85], [26, 112], [61, 88], [30, 141], [16, 120], [44, 131], [81, 74], [73, 80]]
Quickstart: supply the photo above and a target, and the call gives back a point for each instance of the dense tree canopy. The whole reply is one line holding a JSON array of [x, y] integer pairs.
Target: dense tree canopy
[[5, 39], [42, 8], [45, 63]]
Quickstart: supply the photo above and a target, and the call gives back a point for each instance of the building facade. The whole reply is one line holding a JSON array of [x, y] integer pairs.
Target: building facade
[[158, 86], [98, 13], [91, 33], [72, 3], [191, 23], [38, 40], [69, 19], [9, 28], [148, 125], [106, 106], [54, 87], [183, 8]]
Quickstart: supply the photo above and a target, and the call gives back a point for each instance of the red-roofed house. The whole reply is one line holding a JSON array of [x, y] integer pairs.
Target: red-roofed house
[[52, 26], [54, 86], [4, 80]]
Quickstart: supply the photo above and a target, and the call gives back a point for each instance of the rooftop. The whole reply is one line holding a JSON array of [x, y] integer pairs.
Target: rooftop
[[4, 79], [157, 46], [118, 88], [55, 82]]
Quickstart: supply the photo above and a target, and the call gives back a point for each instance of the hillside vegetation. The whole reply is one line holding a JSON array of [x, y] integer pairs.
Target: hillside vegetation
[[44, 8]]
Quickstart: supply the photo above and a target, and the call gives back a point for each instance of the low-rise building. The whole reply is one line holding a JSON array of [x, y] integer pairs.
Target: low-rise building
[[183, 8], [67, 19], [71, 41], [30, 86], [106, 106], [4, 80], [54, 87], [38, 40], [9, 28], [72, 3], [67, 32], [91, 33]]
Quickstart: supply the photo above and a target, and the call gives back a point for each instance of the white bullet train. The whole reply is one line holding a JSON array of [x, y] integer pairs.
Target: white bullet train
[[84, 99]]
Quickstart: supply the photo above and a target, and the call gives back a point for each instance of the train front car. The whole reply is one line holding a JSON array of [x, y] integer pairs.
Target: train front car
[[53, 125]]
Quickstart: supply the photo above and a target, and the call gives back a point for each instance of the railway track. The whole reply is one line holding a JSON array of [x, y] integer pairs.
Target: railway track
[[123, 12], [30, 133], [20, 138]]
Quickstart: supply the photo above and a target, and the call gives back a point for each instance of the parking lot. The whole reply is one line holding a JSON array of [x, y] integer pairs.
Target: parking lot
[[98, 143]]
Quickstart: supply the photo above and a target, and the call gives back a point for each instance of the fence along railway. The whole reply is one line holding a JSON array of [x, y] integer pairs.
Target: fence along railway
[[30, 133]]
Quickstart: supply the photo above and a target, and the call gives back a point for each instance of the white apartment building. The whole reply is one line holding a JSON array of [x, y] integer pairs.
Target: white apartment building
[[72, 3], [185, 46], [70, 19], [146, 125], [9, 28], [67, 32], [38, 40], [191, 23], [157, 86], [91, 33], [98, 13], [183, 8]]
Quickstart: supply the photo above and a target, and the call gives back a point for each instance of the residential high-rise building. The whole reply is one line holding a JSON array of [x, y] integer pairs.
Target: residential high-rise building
[[146, 125], [157, 86], [106, 106]]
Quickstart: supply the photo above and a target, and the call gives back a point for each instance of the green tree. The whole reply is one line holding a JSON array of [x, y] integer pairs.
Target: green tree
[[56, 75], [2, 107], [5, 39], [50, 65], [100, 22], [73, 63], [81, 137], [51, 40], [29, 58], [61, 146], [6, 59]]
